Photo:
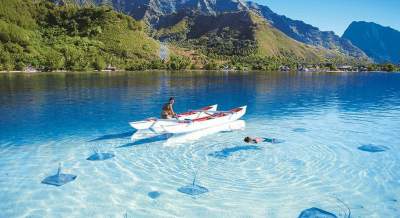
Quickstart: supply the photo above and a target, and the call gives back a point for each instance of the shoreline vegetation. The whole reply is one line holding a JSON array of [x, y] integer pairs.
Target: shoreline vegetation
[[202, 70], [226, 68], [64, 38]]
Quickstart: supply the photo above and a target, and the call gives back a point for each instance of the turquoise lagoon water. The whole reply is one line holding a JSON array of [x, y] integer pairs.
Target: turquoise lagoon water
[[321, 120]]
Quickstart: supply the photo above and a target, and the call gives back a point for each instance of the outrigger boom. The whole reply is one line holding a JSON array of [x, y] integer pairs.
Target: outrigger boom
[[213, 112]]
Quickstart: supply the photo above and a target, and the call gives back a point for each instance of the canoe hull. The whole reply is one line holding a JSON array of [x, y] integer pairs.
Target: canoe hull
[[177, 139], [205, 122]]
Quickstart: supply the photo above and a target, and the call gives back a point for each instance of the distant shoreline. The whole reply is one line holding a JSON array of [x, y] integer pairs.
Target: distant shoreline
[[227, 71]]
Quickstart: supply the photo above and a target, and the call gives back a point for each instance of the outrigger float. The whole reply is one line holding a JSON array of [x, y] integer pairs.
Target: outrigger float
[[191, 121]]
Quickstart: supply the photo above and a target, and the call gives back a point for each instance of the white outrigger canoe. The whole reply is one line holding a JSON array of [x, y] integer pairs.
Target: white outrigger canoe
[[214, 118], [158, 125]]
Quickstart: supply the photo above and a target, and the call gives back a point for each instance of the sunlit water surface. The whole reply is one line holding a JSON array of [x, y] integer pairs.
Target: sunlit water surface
[[47, 119]]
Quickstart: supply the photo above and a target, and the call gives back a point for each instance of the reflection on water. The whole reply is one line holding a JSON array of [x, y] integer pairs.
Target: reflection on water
[[338, 132], [180, 139]]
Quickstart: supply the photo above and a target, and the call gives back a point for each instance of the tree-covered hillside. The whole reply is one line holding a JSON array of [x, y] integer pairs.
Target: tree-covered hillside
[[46, 36]]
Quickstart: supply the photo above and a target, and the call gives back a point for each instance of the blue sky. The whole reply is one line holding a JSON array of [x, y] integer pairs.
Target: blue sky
[[336, 15]]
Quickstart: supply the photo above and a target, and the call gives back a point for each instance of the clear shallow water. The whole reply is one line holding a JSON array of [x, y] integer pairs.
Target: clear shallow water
[[322, 118]]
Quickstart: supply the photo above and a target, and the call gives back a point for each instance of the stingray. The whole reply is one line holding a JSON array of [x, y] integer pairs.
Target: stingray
[[316, 213], [193, 189], [373, 148], [154, 194], [59, 178], [97, 155], [299, 130]]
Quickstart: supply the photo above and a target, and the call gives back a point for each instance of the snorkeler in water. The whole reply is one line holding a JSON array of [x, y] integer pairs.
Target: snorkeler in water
[[257, 140]]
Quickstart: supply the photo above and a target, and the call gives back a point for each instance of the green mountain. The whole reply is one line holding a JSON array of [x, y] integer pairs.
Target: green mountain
[[43, 35], [378, 42]]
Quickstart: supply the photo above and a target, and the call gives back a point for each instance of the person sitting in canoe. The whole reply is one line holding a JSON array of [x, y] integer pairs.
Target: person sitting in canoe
[[167, 109], [257, 140]]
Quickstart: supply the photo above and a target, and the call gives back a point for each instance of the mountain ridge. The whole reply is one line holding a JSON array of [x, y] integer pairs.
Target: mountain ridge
[[377, 41], [241, 33], [152, 11], [306, 33]]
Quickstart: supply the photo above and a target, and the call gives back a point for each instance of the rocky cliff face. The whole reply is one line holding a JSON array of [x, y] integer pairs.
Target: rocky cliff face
[[150, 10], [306, 33], [378, 42]]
